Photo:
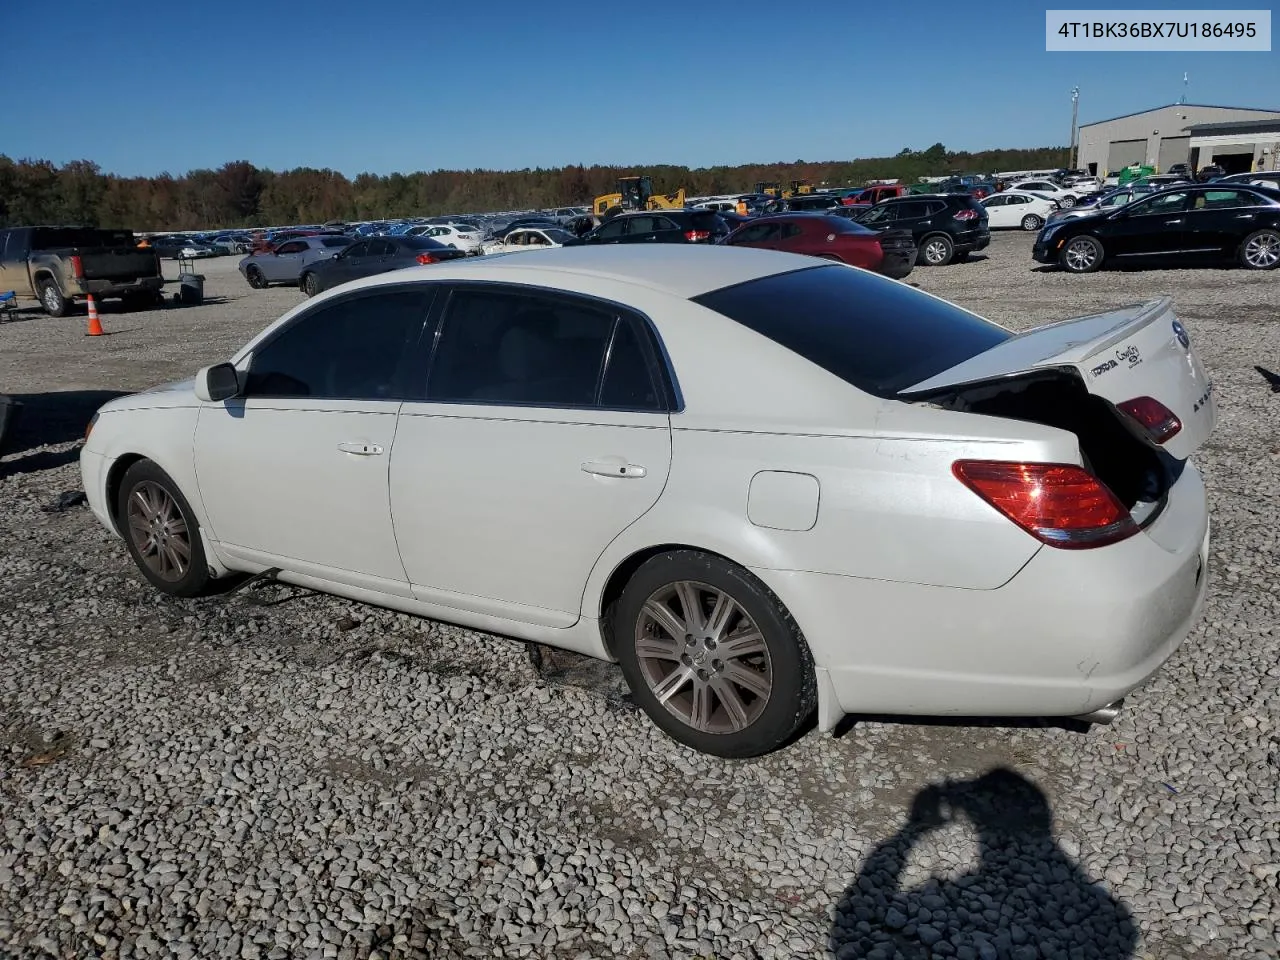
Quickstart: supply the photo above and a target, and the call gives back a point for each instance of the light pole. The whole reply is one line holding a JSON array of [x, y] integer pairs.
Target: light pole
[[1075, 112]]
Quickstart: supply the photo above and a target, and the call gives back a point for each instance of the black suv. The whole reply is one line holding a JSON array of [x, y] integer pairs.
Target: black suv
[[661, 226], [946, 227]]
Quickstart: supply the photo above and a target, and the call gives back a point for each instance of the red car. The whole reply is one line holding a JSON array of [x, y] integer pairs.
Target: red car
[[873, 195], [892, 253]]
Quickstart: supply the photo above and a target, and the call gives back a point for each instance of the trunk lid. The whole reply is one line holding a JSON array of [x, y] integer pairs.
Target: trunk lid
[[117, 263], [1120, 355]]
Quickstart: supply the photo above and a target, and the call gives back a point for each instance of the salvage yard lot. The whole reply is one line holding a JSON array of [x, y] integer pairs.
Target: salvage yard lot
[[280, 774]]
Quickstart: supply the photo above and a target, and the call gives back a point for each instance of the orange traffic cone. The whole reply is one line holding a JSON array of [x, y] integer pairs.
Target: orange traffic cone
[[95, 325]]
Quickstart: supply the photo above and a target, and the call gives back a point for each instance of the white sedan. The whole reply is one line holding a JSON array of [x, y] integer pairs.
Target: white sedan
[[460, 237], [884, 504], [524, 240], [1023, 210]]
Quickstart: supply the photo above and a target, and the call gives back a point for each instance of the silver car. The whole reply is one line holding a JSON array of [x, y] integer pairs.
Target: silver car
[[285, 263]]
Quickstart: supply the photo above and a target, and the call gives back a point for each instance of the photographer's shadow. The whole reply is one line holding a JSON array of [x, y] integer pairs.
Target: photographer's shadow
[[1026, 899]]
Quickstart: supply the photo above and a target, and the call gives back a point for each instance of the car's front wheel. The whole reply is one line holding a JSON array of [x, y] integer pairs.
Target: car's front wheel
[[161, 531], [1067, 201], [1081, 255], [1032, 222], [257, 279], [1261, 250], [712, 655], [309, 285]]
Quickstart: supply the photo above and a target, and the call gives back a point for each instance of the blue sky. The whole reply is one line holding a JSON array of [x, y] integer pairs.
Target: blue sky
[[402, 86]]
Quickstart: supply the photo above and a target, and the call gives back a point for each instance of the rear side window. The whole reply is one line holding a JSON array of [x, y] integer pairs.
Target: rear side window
[[876, 334], [709, 220], [354, 348]]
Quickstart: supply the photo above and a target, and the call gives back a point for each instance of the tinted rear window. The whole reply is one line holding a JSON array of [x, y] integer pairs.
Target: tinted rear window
[[877, 334], [53, 238], [708, 220]]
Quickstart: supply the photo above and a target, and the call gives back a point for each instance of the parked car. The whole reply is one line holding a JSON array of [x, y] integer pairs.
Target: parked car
[[1210, 172], [288, 262], [367, 258], [1180, 170], [227, 244], [459, 236], [1112, 200], [1206, 222], [870, 196], [59, 265], [946, 227], [525, 239], [661, 226], [515, 444], [800, 202], [174, 248], [1258, 178], [1046, 188], [499, 233], [1024, 211], [892, 252]]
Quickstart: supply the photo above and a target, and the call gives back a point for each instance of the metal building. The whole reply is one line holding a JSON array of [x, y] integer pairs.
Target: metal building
[[1159, 137]]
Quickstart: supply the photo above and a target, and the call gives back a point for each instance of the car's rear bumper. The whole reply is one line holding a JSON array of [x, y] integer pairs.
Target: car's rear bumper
[[116, 288], [972, 240], [1073, 631]]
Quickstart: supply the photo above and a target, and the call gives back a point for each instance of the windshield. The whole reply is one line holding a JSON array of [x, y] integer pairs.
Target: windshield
[[879, 335]]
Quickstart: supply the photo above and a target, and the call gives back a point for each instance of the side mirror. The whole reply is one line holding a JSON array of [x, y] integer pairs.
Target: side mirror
[[217, 383]]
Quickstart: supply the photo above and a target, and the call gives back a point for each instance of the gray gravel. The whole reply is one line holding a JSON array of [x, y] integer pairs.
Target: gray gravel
[[313, 778]]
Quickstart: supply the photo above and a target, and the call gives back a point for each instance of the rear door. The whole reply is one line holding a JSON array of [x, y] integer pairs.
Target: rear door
[[542, 433], [1218, 220], [1121, 355]]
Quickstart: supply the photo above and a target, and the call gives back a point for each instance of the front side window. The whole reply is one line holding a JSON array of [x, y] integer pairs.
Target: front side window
[[612, 230], [293, 246], [516, 347], [355, 250], [1161, 204], [381, 248], [350, 349], [886, 213]]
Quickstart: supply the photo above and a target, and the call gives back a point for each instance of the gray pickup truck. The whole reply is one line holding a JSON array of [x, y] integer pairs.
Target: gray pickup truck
[[59, 265]]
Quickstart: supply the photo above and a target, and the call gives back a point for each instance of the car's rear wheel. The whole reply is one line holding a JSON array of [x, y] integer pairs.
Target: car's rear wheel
[[937, 250], [1032, 222], [1081, 255], [309, 285], [1260, 250], [161, 531], [52, 300], [1067, 201], [712, 655], [257, 279]]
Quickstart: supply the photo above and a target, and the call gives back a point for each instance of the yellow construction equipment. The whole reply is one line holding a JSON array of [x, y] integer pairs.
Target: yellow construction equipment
[[799, 188], [636, 193], [770, 187]]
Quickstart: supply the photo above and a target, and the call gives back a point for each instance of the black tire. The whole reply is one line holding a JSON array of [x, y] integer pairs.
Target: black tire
[[1081, 254], [1068, 201], [154, 536], [936, 250], [308, 284], [52, 300], [257, 279], [777, 661], [1260, 250], [1032, 222]]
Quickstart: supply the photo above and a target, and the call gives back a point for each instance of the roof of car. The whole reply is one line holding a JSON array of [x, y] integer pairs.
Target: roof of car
[[682, 270]]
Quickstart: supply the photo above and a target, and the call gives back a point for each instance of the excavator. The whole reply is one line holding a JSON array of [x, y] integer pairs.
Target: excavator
[[774, 189], [635, 193]]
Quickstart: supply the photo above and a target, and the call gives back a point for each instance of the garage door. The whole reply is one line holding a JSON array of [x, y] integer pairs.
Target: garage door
[[1125, 152], [1174, 150]]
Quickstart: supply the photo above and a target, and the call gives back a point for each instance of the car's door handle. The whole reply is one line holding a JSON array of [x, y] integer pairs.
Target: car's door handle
[[1179, 220], [361, 449], [1245, 216], [614, 467]]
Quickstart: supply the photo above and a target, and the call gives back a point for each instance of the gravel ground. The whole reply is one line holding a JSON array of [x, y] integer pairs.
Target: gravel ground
[[278, 774]]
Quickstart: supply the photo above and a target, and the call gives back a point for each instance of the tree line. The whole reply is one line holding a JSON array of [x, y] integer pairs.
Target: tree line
[[238, 194]]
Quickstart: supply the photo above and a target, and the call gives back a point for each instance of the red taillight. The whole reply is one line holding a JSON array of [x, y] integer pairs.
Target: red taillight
[[1060, 504], [1157, 419], [697, 236], [966, 214], [77, 268], [425, 258]]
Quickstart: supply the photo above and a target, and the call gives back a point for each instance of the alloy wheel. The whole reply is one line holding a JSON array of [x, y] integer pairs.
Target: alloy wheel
[[51, 299], [1081, 254], [1263, 251], [159, 531], [703, 657], [935, 251]]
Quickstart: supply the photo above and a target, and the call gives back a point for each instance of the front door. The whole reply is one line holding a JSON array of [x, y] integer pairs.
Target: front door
[[286, 262], [293, 473], [1155, 225], [543, 434]]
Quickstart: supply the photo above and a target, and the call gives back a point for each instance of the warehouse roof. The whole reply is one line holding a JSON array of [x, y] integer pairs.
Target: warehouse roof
[[1201, 106], [1235, 126]]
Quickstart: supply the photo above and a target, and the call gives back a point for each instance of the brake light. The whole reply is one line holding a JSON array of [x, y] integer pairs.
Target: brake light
[[1060, 504], [1157, 419], [966, 214], [697, 236], [77, 268], [425, 258]]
